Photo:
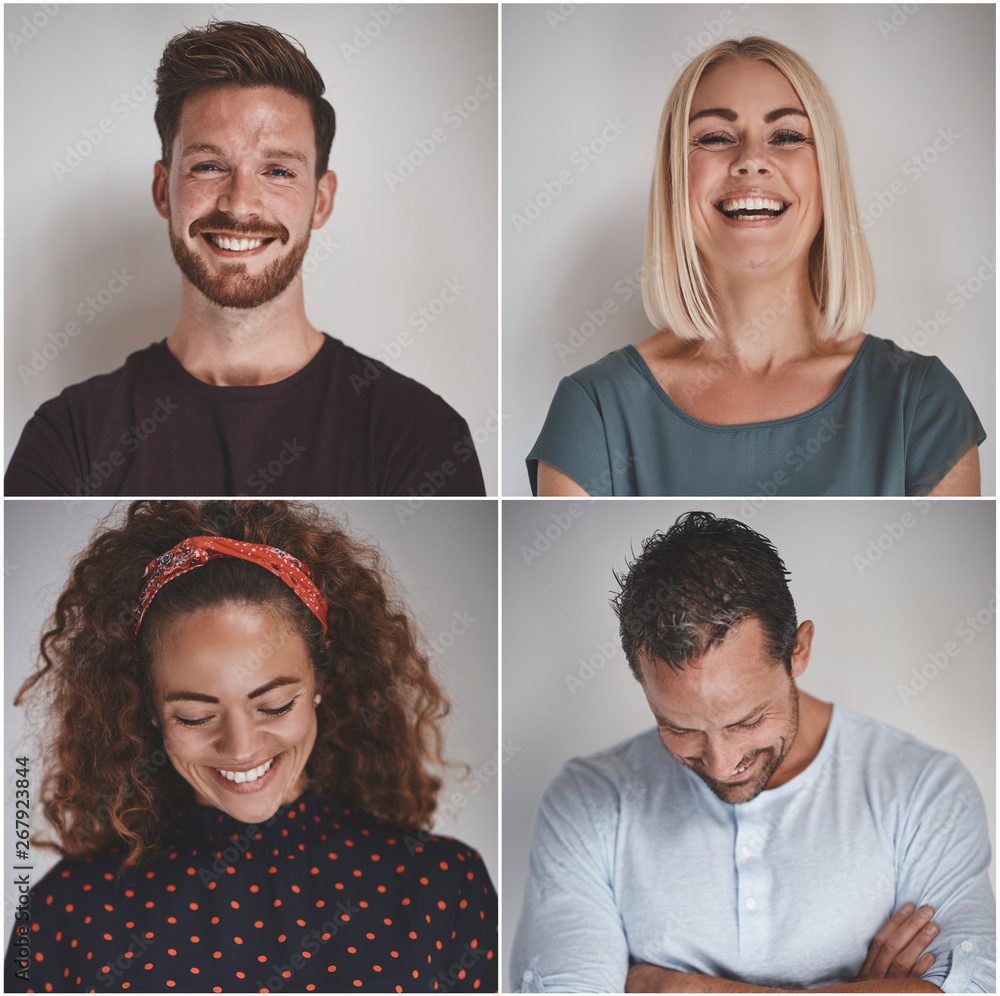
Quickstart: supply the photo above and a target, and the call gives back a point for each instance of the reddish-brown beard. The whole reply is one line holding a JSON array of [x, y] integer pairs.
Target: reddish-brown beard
[[233, 288]]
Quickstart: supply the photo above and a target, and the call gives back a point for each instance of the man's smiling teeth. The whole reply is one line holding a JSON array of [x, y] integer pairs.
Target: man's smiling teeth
[[246, 776], [741, 769], [235, 245], [751, 204]]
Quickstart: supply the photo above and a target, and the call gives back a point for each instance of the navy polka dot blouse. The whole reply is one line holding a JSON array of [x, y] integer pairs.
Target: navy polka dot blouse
[[322, 898]]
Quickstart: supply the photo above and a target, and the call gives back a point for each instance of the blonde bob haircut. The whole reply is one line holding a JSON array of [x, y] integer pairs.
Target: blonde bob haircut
[[675, 290]]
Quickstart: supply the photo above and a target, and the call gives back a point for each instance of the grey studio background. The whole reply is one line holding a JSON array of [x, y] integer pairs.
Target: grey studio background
[[444, 558], [567, 690], [584, 87], [391, 247]]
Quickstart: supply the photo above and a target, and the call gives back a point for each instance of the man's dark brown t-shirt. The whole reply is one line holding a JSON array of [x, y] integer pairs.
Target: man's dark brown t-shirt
[[344, 425]]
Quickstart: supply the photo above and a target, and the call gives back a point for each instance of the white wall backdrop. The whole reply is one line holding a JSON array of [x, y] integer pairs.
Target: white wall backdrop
[[444, 558], [888, 584], [393, 73], [583, 89]]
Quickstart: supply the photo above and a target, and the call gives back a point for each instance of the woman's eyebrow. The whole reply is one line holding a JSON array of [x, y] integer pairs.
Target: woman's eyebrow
[[199, 697], [725, 112]]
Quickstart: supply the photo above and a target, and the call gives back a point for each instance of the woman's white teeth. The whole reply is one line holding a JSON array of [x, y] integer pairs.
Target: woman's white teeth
[[246, 776], [235, 245], [751, 204]]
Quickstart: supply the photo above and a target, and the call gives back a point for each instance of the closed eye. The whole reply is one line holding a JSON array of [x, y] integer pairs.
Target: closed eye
[[280, 711], [779, 138], [741, 726]]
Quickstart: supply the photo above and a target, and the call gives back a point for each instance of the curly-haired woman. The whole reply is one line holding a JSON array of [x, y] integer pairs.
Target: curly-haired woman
[[242, 728]]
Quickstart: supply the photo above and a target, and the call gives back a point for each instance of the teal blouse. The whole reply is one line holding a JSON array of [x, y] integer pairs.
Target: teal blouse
[[895, 425]]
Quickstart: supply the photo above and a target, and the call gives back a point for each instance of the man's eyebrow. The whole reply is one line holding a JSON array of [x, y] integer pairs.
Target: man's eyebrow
[[207, 149], [283, 154], [750, 715], [211, 699], [728, 115], [202, 149]]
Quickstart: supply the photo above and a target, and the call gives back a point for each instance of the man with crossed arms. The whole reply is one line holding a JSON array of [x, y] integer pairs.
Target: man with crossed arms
[[780, 843]]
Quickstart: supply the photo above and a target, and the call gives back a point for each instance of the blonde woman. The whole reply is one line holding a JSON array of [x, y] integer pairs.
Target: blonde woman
[[761, 380]]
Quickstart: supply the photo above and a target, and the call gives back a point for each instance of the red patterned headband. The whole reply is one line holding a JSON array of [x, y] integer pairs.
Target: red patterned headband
[[198, 550]]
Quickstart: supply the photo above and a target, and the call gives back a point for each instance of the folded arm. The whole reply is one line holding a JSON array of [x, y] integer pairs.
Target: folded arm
[[897, 957]]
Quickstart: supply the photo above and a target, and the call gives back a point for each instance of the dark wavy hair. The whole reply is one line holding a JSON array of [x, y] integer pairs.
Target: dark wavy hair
[[230, 53], [692, 584], [109, 784]]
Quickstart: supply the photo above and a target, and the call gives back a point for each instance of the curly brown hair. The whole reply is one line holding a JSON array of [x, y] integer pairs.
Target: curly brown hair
[[109, 783]]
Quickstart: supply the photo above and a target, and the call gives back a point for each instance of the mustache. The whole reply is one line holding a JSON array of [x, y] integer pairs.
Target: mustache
[[218, 222]]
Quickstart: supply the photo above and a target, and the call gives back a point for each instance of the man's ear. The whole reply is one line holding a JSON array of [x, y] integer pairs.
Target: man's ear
[[160, 199], [803, 647], [326, 190]]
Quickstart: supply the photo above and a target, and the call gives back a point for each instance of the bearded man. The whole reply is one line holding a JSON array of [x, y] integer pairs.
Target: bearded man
[[758, 839], [245, 396]]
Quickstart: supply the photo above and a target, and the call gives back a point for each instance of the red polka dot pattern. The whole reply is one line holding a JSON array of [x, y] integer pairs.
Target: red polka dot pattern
[[422, 915]]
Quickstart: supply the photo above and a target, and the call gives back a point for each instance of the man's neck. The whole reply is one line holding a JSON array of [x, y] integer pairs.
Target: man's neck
[[229, 347], [814, 721]]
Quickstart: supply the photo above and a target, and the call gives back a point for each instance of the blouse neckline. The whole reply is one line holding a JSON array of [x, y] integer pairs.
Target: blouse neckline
[[206, 826], [644, 369]]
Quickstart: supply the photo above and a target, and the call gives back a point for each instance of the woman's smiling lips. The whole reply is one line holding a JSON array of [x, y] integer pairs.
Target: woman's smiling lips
[[245, 787], [757, 203]]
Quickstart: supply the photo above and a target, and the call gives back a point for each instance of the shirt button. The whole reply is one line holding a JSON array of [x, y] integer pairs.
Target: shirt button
[[966, 945], [751, 904], [745, 851]]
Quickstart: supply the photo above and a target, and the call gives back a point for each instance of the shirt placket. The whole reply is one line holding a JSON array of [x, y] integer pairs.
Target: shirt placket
[[754, 884]]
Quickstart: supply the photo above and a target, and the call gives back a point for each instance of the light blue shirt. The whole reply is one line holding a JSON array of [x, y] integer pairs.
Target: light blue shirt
[[634, 858]]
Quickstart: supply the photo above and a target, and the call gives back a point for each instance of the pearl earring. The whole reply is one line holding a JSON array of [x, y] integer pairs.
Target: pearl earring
[[155, 721], [317, 699]]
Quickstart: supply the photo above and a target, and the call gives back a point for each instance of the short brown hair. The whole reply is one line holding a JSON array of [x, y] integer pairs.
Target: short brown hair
[[229, 53]]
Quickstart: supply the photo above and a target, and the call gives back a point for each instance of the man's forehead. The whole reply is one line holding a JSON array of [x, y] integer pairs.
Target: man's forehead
[[227, 116]]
